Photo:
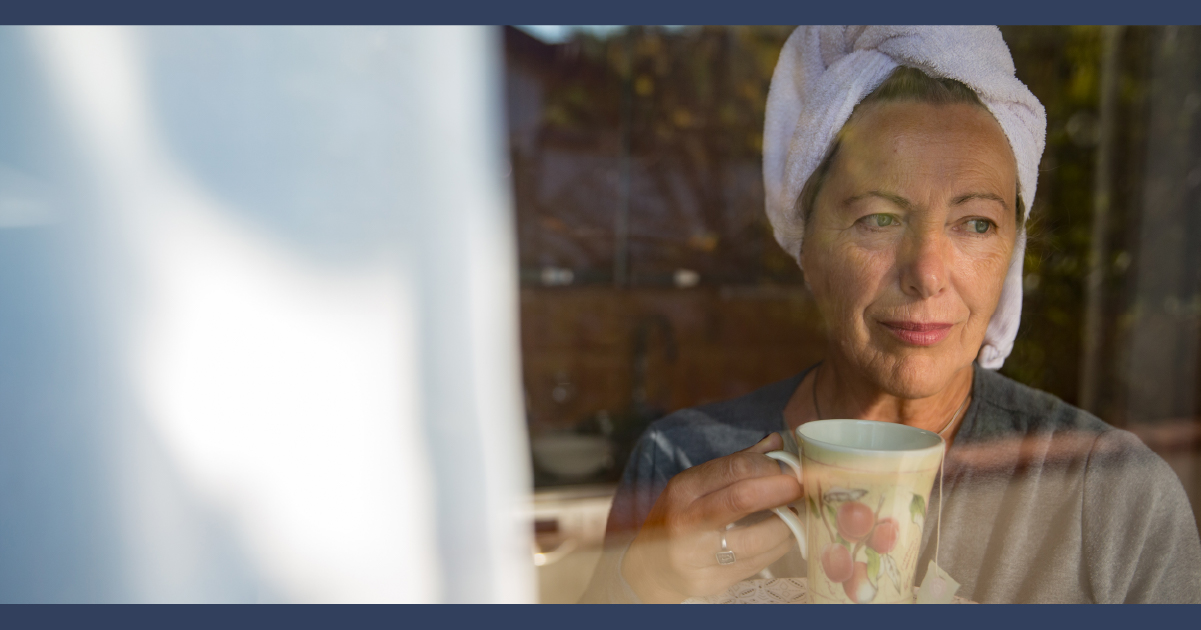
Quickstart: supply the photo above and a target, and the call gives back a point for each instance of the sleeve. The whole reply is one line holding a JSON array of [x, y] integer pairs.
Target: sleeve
[[1140, 541], [649, 469]]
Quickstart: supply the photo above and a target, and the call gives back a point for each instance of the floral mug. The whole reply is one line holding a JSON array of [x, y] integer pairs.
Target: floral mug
[[867, 485]]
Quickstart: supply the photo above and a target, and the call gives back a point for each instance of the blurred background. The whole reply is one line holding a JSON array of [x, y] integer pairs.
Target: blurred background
[[258, 318], [650, 279]]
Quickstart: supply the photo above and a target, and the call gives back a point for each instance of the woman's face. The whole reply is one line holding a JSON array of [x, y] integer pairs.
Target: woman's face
[[909, 241]]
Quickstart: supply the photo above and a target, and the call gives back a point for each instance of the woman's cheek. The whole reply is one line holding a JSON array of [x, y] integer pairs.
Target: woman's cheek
[[827, 279], [855, 279], [979, 284], [982, 279]]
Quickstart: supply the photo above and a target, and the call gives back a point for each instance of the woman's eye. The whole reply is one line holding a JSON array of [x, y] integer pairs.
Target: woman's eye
[[881, 220], [979, 226]]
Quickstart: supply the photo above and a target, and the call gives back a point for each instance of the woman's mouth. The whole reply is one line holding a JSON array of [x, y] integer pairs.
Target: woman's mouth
[[919, 333]]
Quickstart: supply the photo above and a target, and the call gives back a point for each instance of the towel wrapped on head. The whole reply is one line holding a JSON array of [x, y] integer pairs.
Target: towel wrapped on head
[[825, 71]]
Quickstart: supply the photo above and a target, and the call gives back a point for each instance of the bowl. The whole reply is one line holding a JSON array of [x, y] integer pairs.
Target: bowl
[[571, 455]]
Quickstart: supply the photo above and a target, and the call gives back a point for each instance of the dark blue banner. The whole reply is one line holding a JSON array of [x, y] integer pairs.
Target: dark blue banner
[[610, 12], [588, 618]]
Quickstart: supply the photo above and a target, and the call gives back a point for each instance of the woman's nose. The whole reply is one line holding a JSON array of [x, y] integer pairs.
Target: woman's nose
[[923, 264]]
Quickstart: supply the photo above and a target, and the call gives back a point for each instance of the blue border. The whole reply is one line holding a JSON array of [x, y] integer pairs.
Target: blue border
[[606, 12], [1058, 617]]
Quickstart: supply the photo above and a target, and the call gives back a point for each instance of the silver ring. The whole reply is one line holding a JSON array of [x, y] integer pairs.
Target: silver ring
[[725, 556]]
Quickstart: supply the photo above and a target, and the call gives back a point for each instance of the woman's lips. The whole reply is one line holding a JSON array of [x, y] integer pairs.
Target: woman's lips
[[919, 333]]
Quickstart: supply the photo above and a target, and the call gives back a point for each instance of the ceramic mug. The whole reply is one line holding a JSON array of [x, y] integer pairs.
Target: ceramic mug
[[867, 485]]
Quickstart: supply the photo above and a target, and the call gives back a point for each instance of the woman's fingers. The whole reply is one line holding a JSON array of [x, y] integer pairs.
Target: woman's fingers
[[719, 473], [731, 503], [674, 553], [765, 558], [752, 555], [759, 538], [773, 442]]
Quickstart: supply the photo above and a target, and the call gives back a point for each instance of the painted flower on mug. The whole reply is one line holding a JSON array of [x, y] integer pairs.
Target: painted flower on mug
[[862, 541]]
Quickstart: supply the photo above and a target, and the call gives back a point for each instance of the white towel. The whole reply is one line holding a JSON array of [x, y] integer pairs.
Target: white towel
[[825, 71]]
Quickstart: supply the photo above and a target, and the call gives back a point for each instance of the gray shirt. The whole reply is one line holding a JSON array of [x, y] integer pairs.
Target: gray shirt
[[1043, 502]]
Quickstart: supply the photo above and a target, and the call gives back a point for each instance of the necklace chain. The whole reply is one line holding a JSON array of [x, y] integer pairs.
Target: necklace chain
[[818, 409]]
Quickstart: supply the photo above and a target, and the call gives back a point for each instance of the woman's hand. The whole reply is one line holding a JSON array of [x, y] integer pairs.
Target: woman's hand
[[674, 555]]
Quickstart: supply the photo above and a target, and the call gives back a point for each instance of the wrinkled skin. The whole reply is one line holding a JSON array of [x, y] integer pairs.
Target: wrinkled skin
[[673, 556], [914, 223]]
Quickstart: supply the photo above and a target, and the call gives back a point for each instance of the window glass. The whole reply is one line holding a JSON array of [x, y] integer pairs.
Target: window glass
[[651, 280]]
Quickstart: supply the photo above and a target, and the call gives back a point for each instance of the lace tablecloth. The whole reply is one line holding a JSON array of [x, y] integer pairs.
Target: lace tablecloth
[[769, 591]]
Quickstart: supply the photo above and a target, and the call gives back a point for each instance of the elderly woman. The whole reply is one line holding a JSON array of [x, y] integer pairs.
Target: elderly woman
[[899, 163]]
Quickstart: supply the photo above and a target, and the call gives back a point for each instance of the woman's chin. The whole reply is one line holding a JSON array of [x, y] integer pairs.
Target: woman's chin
[[916, 375]]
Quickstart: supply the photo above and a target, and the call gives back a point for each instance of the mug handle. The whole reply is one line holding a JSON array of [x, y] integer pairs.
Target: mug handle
[[791, 520]]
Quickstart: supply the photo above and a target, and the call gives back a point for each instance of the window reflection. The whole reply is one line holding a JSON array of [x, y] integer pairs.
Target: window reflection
[[651, 280]]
